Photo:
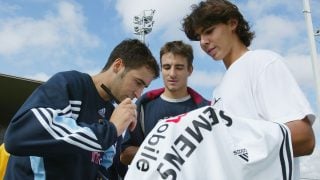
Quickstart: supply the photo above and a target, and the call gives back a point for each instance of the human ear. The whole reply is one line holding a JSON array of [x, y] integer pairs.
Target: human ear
[[117, 64], [190, 69], [233, 23]]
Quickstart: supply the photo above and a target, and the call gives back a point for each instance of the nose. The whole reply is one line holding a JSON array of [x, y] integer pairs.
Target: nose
[[203, 39], [138, 92], [172, 72]]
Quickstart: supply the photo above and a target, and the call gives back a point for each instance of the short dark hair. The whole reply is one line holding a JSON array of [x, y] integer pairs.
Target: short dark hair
[[211, 12], [178, 48], [134, 55]]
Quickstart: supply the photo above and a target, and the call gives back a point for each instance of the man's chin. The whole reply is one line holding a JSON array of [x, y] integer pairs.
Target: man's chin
[[172, 88]]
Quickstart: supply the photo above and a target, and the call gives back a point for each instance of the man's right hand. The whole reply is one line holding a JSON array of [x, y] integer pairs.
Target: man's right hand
[[124, 116]]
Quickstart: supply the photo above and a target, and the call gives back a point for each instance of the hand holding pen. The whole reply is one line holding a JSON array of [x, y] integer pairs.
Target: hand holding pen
[[124, 115]]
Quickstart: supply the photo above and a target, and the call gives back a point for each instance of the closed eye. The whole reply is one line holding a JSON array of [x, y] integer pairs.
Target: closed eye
[[141, 83], [179, 67]]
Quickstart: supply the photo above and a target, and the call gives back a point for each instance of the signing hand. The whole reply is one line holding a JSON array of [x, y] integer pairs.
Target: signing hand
[[124, 116]]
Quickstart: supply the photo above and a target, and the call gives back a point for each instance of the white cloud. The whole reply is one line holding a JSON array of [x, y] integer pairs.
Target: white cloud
[[42, 76], [8, 8], [277, 33], [55, 40], [256, 9], [300, 66], [63, 29], [205, 78], [38, 77]]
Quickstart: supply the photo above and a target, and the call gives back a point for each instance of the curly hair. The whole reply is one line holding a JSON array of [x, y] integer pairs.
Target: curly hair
[[211, 12]]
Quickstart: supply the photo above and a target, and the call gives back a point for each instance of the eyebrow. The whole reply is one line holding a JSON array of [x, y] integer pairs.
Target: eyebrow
[[179, 65], [170, 64], [142, 82]]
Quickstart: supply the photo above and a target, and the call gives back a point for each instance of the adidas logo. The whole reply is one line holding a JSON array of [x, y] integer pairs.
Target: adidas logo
[[102, 112], [242, 153]]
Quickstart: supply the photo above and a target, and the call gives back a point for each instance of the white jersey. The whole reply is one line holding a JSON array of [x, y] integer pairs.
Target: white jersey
[[259, 86], [210, 144]]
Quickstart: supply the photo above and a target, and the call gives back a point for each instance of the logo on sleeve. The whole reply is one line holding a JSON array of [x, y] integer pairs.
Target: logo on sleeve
[[102, 112], [242, 153], [215, 101]]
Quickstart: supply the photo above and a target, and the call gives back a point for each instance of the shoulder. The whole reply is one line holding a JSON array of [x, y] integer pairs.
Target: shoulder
[[258, 60], [264, 55], [69, 77], [150, 96], [67, 81]]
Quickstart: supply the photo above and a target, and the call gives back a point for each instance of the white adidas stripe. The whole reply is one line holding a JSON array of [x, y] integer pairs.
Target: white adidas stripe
[[66, 135]]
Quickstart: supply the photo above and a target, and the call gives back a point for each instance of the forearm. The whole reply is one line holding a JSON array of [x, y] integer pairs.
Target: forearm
[[128, 154], [302, 137], [32, 134]]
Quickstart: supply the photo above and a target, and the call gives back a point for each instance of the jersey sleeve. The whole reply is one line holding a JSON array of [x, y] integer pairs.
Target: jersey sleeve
[[46, 124], [279, 97]]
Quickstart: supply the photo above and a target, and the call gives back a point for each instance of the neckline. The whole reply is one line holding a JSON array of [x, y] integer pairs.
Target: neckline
[[162, 96]]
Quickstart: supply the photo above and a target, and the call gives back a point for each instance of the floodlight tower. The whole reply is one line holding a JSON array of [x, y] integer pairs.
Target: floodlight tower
[[143, 23]]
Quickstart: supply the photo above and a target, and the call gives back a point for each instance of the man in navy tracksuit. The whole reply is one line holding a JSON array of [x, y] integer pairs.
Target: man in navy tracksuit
[[69, 129], [175, 98]]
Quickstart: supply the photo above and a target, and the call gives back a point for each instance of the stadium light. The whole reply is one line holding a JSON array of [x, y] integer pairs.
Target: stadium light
[[143, 23]]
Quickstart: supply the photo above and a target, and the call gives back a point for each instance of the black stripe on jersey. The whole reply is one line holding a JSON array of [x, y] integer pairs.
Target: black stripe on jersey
[[47, 121], [285, 145], [66, 111], [288, 153], [86, 136], [283, 163], [84, 143], [243, 156], [61, 113]]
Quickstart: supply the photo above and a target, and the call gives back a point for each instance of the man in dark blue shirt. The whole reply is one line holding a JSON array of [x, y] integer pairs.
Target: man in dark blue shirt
[[175, 98]]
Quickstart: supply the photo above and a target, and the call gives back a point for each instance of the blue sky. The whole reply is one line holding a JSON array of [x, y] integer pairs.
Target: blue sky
[[41, 37]]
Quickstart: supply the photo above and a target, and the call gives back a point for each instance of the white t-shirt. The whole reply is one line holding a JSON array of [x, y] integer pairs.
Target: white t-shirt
[[259, 86]]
